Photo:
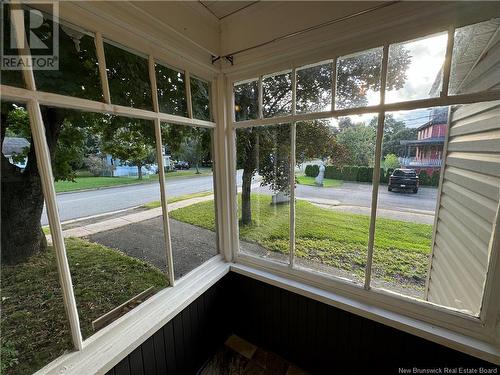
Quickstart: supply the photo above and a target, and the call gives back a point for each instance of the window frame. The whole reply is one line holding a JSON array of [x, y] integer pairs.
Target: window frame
[[34, 99], [480, 327]]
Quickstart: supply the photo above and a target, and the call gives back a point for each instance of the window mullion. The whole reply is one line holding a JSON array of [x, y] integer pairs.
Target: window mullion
[[261, 99], [161, 174], [46, 176], [101, 58], [293, 136], [334, 81], [447, 62], [187, 78], [376, 168]]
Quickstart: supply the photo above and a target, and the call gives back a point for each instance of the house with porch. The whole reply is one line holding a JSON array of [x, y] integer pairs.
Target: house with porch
[[426, 152]]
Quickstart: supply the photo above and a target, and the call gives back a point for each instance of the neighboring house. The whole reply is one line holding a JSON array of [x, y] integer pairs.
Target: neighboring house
[[425, 152], [13, 146], [121, 169]]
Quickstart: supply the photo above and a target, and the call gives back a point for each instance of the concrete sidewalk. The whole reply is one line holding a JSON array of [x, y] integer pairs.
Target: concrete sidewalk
[[101, 226]]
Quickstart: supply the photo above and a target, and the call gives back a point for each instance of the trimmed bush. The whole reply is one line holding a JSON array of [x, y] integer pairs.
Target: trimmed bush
[[435, 178], [333, 172], [312, 170], [423, 178], [350, 173], [365, 174]]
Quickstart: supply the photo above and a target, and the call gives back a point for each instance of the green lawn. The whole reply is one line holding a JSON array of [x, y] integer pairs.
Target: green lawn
[[155, 204], [306, 180], [33, 321], [84, 181], [333, 238]]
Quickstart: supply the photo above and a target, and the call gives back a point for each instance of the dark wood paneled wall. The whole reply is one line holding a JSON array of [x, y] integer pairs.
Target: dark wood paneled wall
[[185, 343], [325, 340], [317, 337]]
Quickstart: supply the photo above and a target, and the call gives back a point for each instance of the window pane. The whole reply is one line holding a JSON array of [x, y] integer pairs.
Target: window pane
[[474, 66], [277, 95], [333, 190], [128, 78], [412, 152], [171, 91], [415, 69], [314, 88], [9, 77], [190, 188], [358, 79], [263, 178], [200, 96], [78, 73], [246, 101], [34, 324], [110, 212]]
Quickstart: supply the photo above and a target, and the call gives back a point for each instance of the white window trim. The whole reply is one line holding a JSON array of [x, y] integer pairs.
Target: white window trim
[[106, 348], [34, 99]]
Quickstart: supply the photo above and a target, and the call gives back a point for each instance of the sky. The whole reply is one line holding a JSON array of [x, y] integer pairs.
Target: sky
[[427, 57]]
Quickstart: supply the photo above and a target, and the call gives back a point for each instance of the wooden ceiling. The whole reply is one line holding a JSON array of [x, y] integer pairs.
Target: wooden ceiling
[[222, 9]]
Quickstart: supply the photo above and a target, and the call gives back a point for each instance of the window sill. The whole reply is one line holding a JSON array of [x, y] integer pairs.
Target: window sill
[[400, 320], [102, 351]]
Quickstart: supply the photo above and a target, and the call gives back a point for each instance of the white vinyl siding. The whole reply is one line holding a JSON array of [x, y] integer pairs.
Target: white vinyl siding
[[468, 207]]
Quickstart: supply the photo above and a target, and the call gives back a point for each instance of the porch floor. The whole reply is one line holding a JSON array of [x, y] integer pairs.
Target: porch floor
[[239, 357]]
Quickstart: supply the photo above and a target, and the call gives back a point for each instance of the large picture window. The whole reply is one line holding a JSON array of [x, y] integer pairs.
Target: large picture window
[[99, 244], [374, 198]]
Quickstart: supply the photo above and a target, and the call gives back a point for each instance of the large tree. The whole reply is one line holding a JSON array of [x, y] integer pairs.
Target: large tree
[[67, 132], [131, 141], [356, 77]]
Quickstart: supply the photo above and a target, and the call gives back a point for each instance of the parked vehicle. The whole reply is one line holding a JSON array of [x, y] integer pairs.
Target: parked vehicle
[[181, 165], [403, 179]]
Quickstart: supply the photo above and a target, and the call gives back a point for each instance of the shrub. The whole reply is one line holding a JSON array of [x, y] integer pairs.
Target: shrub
[[97, 166], [350, 173], [312, 170], [333, 172], [391, 161], [435, 178], [423, 178], [388, 174], [365, 174], [383, 176]]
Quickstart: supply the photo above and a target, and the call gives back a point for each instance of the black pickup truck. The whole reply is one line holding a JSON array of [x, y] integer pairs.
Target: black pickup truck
[[403, 179]]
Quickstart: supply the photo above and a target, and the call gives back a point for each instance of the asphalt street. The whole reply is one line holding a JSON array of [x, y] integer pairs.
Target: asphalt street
[[356, 195]]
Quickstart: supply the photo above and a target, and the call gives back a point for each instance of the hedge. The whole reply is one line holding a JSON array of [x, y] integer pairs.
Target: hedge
[[365, 174]]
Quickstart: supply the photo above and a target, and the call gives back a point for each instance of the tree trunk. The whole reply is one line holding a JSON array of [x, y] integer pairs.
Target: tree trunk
[[22, 196], [246, 189], [139, 172], [22, 206], [249, 167]]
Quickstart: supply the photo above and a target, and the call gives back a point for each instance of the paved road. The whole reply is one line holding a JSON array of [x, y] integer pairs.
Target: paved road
[[87, 203], [93, 202], [360, 194]]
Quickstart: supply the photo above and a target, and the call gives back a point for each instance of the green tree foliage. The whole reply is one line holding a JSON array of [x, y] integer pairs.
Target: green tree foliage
[[246, 101], [128, 77], [131, 141], [360, 72], [189, 144], [359, 140], [391, 161], [171, 91], [200, 96]]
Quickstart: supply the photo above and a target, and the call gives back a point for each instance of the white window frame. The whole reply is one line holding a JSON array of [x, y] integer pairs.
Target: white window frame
[[34, 99], [480, 327]]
